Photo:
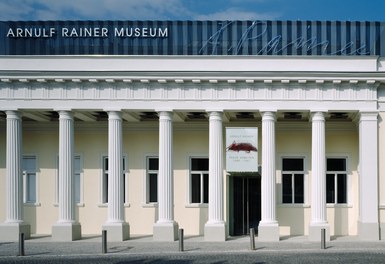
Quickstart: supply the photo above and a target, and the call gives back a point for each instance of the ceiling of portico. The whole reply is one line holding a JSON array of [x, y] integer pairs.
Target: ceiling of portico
[[179, 116]]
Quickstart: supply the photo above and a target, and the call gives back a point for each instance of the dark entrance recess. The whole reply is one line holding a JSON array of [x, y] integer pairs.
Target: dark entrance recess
[[245, 204]]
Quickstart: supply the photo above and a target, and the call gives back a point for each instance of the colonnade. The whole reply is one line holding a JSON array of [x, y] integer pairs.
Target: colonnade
[[67, 228]]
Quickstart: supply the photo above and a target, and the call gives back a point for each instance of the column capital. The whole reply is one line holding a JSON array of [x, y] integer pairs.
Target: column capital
[[318, 116], [65, 114], [13, 114], [368, 116], [114, 115], [268, 115], [165, 115]]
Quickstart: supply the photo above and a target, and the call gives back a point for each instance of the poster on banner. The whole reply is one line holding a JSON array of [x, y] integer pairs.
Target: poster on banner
[[241, 149]]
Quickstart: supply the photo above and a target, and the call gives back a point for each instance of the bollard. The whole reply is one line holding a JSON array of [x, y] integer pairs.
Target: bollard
[[323, 240], [252, 239], [104, 241], [181, 246], [21, 244]]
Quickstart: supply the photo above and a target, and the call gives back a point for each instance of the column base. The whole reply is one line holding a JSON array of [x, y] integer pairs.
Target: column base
[[215, 232], [66, 232], [268, 232], [165, 231], [368, 231], [117, 232], [315, 232], [11, 231]]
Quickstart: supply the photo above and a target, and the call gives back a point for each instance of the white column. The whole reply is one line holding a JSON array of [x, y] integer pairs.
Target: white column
[[66, 228], [368, 226], [165, 229], [14, 223], [215, 228], [268, 229], [318, 179], [117, 228]]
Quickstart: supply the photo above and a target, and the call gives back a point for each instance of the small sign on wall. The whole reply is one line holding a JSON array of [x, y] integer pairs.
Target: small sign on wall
[[241, 149]]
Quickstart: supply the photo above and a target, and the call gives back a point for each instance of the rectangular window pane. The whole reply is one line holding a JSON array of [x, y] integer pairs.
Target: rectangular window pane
[[77, 187], [105, 164], [153, 187], [77, 165], [105, 188], [200, 164], [298, 188], [336, 164], [31, 187], [330, 196], [195, 188], [292, 164], [153, 164], [205, 188], [287, 188], [341, 188], [29, 164]]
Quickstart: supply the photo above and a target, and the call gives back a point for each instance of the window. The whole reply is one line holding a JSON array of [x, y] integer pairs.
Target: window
[[77, 180], [199, 180], [30, 180], [293, 180], [152, 179], [105, 180], [336, 180]]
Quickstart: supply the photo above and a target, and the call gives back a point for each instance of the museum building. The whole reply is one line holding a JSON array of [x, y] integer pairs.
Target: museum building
[[144, 127]]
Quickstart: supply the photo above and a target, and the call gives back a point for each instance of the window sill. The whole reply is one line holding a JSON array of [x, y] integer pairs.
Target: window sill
[[106, 205], [294, 205], [149, 205], [77, 205], [339, 205], [197, 205], [32, 204]]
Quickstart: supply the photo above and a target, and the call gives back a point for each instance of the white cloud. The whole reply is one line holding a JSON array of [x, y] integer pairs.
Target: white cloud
[[92, 9], [237, 14]]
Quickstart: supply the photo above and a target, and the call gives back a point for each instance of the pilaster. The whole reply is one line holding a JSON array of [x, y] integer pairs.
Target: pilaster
[[368, 225]]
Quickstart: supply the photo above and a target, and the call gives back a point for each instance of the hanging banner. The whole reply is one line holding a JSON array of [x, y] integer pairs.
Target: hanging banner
[[241, 149]]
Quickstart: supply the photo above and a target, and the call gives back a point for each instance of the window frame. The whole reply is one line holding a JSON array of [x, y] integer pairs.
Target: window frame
[[293, 174], [25, 173], [202, 203], [335, 174], [103, 192], [147, 172]]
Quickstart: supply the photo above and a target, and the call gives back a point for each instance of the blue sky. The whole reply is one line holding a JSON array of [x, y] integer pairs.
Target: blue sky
[[351, 10]]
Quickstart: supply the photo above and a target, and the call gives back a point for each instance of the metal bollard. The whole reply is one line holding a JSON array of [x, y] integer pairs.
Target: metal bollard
[[323, 240], [181, 246], [21, 244], [104, 241], [252, 239]]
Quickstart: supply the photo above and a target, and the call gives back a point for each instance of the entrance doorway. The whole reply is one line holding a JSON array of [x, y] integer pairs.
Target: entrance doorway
[[245, 204]]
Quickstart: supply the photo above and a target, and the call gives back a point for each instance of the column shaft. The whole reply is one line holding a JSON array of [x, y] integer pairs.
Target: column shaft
[[66, 168], [215, 169], [318, 201], [165, 181], [14, 177], [215, 228], [318, 179], [115, 169], [268, 169]]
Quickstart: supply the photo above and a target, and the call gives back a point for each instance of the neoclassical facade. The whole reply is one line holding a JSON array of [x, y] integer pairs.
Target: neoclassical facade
[[135, 144]]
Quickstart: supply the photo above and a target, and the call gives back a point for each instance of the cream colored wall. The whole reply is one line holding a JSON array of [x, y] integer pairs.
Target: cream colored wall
[[295, 219], [44, 145], [91, 144]]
